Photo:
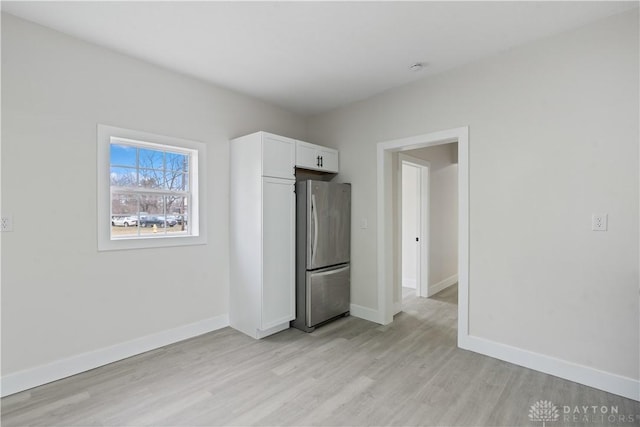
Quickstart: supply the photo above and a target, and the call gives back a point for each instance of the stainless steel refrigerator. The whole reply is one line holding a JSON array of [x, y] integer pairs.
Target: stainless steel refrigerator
[[323, 248]]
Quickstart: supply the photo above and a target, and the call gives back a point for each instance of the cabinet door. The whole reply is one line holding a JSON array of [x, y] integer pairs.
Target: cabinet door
[[278, 157], [307, 157], [316, 157], [278, 257], [329, 160]]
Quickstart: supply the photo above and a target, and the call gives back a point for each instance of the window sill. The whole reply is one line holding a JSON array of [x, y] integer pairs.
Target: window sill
[[150, 242]]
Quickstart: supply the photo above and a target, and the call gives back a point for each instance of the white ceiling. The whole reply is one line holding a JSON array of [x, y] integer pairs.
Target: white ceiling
[[310, 57]]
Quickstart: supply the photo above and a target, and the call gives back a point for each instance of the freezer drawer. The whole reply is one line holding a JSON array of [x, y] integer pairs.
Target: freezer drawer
[[328, 294]]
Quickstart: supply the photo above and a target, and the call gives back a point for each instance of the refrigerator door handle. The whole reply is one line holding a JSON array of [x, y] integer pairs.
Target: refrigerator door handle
[[314, 214]]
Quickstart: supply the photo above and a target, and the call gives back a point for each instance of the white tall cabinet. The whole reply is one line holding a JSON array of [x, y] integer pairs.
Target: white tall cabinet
[[262, 233]]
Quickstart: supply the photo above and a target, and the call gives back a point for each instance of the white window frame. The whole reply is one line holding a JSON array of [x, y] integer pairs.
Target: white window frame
[[197, 182]]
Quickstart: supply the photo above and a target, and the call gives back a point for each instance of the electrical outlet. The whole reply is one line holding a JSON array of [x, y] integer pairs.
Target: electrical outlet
[[599, 222], [6, 224]]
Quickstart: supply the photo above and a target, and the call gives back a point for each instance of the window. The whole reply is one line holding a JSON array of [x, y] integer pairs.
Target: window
[[149, 190]]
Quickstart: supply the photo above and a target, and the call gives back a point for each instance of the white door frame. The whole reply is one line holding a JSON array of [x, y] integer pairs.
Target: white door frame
[[422, 278], [386, 229]]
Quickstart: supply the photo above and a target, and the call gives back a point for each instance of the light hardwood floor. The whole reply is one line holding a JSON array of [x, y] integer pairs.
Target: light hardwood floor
[[408, 292], [348, 373]]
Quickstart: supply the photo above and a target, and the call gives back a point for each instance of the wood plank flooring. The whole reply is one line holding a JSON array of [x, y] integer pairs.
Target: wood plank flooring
[[348, 373]]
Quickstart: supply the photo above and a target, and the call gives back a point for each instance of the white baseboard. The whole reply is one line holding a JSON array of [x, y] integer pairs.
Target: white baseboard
[[270, 331], [365, 313], [606, 381], [409, 283], [397, 307], [29, 378], [441, 285]]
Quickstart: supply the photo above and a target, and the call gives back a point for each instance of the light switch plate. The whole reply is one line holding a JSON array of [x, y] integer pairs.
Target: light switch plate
[[6, 223]]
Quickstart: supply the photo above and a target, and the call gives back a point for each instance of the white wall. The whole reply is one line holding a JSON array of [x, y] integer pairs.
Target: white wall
[[60, 296], [553, 138], [443, 209]]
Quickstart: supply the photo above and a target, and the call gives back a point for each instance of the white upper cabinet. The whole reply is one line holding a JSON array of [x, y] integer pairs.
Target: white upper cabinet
[[316, 157], [278, 156]]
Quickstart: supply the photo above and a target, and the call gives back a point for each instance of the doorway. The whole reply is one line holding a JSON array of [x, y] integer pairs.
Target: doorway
[[385, 214], [427, 214]]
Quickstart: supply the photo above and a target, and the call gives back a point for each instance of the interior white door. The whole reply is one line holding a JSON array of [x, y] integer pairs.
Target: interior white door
[[414, 240], [410, 226]]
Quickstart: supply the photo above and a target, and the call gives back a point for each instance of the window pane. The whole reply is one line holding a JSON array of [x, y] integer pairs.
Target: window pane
[[151, 178], [124, 177], [152, 215], [177, 162], [124, 215], [151, 204], [177, 214], [176, 181], [123, 155], [124, 204], [151, 159], [185, 180]]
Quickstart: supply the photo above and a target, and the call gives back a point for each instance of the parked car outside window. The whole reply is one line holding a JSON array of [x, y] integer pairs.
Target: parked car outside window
[[124, 221], [157, 220], [172, 220]]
